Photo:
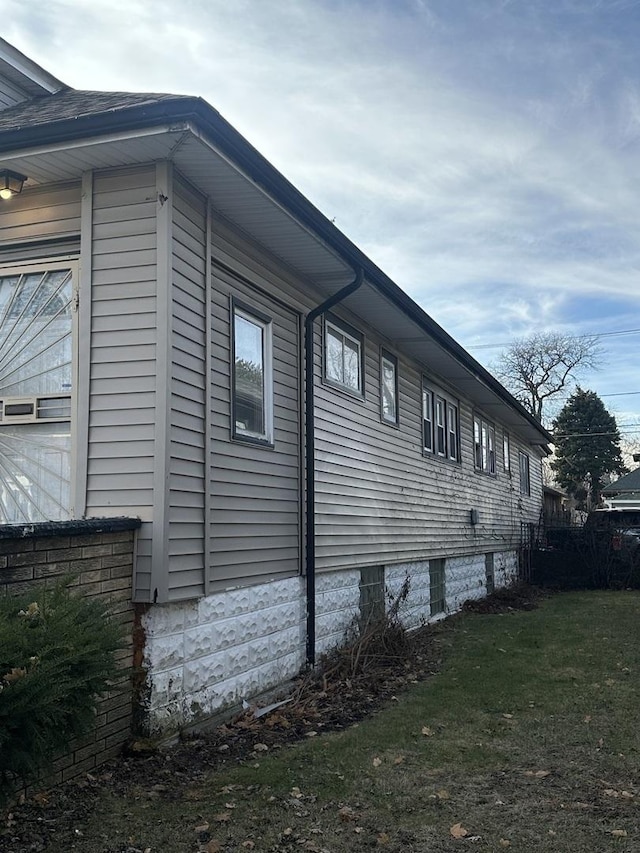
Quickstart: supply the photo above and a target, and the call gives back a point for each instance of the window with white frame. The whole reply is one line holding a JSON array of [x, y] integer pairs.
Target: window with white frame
[[36, 386], [484, 445], [427, 419], [506, 452], [343, 349], [452, 431], [252, 410], [525, 473], [388, 387], [440, 423]]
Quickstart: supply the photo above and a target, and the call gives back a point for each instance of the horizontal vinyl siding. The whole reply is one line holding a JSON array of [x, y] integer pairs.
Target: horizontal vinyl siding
[[123, 351], [10, 95], [186, 507], [41, 213], [379, 500], [254, 491]]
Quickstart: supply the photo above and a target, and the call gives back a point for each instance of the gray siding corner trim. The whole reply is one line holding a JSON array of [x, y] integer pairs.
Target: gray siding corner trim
[[81, 440], [189, 394], [160, 536]]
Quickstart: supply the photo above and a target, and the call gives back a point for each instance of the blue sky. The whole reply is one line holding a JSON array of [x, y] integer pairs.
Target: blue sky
[[485, 153]]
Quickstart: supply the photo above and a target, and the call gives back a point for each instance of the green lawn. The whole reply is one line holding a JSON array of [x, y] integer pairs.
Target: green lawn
[[527, 740]]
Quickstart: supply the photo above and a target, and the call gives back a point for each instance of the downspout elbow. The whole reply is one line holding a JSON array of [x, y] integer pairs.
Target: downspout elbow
[[310, 493]]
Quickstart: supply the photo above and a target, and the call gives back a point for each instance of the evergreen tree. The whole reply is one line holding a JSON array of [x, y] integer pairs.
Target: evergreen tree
[[587, 444]]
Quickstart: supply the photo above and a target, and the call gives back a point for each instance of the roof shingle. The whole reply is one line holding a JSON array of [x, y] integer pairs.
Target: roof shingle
[[629, 483], [74, 104]]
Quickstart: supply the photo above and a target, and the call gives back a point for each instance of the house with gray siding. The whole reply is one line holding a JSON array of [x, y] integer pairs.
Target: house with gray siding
[[186, 340]]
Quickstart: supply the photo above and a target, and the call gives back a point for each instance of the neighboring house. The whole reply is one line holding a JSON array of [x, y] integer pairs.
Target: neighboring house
[[158, 282], [554, 507], [623, 493]]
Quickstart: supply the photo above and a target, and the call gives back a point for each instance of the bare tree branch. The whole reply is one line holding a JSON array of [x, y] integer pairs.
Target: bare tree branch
[[537, 368]]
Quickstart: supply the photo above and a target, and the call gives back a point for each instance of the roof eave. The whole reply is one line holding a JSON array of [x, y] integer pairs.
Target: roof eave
[[235, 146], [32, 76]]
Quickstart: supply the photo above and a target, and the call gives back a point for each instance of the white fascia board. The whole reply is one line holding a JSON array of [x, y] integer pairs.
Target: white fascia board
[[91, 142], [202, 138], [30, 71]]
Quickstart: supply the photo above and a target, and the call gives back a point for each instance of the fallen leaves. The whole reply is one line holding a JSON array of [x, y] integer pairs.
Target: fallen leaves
[[619, 833], [458, 831], [377, 762], [347, 814], [537, 774], [613, 792], [427, 731]]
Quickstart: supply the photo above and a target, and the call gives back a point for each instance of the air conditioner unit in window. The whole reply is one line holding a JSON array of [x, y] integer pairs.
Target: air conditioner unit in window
[[30, 410]]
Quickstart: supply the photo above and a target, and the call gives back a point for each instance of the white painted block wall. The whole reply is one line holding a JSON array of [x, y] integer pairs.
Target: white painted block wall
[[206, 655]]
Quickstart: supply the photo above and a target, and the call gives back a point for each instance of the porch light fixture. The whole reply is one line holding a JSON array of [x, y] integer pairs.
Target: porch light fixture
[[11, 183]]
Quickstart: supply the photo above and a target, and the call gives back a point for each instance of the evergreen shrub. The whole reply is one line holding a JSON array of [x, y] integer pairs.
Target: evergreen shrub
[[56, 655]]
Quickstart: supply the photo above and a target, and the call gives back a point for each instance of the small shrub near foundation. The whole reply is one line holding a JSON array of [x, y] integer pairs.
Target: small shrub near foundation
[[375, 643], [56, 655]]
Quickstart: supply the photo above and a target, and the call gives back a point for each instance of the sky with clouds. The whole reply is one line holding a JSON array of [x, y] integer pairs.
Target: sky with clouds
[[484, 153]]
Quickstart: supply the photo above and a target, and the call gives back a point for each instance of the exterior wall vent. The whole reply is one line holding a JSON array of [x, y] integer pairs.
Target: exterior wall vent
[[30, 410]]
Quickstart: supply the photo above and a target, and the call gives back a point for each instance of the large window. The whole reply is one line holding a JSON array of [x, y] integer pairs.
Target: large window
[[343, 348], [36, 384], [484, 445], [252, 376], [525, 474], [440, 424], [388, 387]]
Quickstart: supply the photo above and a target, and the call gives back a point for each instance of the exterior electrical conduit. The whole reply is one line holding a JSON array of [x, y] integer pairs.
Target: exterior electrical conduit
[[310, 478]]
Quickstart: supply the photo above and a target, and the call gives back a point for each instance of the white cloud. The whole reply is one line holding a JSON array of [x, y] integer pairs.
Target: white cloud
[[483, 153]]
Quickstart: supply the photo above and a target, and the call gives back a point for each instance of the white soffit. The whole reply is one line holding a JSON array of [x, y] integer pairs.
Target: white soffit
[[251, 209], [233, 194]]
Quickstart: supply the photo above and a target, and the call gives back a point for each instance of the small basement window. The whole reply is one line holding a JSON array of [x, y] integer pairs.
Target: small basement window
[[437, 591]]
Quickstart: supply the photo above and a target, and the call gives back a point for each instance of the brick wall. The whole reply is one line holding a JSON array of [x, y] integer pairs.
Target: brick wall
[[99, 554]]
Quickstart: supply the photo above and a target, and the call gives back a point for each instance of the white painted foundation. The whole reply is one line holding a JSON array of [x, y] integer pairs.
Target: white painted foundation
[[206, 655]]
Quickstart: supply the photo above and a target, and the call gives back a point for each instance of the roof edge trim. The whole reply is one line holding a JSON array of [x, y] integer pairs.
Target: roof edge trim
[[267, 177], [30, 70]]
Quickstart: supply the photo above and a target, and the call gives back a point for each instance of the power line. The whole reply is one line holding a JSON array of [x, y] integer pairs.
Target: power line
[[611, 334], [589, 434]]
